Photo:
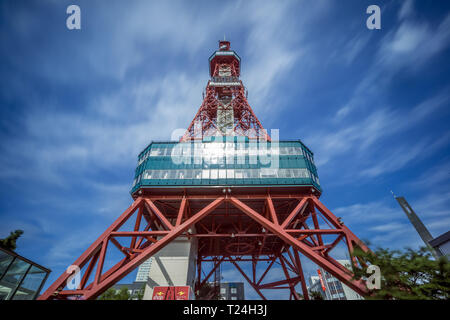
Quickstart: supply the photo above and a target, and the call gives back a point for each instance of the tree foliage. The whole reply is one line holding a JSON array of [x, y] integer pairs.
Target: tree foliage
[[113, 294], [315, 295], [408, 274], [9, 243], [122, 294], [208, 292]]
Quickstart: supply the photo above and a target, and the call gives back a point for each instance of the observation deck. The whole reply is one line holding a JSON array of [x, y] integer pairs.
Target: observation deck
[[233, 161]]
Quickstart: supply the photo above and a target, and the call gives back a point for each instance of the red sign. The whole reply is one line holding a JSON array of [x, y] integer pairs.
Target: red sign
[[321, 280], [171, 293]]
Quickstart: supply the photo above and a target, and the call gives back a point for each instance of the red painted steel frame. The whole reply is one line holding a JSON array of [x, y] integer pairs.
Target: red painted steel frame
[[245, 122], [231, 227]]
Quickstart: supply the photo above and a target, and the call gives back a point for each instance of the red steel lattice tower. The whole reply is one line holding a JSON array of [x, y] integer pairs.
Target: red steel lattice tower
[[225, 109], [218, 190]]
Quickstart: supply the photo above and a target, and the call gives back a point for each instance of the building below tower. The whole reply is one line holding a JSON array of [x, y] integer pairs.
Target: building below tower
[[174, 265], [442, 244], [232, 291], [331, 288]]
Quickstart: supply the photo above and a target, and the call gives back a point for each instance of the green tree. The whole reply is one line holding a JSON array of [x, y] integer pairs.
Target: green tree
[[208, 292], [113, 294], [9, 243], [408, 274], [300, 296], [140, 294], [315, 295]]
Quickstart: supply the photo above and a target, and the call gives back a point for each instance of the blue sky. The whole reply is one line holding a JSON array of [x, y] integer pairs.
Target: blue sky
[[76, 107]]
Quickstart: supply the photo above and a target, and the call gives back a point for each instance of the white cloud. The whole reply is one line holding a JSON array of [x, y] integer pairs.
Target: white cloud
[[437, 176], [406, 10], [358, 140], [413, 44], [404, 155]]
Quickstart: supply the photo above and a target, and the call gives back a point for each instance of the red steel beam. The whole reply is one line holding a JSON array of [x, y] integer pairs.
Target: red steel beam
[[298, 209], [278, 283], [273, 214], [130, 266], [61, 281], [345, 277], [158, 213], [181, 211], [314, 231], [256, 288], [300, 269]]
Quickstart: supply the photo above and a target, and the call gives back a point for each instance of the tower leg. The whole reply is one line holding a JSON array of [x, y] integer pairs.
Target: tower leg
[[149, 244], [313, 250], [161, 228]]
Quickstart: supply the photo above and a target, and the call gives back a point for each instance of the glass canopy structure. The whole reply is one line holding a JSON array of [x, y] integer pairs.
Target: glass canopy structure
[[20, 278]]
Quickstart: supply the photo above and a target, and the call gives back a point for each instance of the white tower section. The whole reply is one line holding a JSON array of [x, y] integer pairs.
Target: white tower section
[[174, 265]]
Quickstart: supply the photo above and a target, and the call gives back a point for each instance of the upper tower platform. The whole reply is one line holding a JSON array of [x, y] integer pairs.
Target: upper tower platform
[[225, 144], [224, 62]]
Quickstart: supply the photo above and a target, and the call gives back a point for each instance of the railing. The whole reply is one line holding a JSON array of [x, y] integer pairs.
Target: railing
[[225, 79]]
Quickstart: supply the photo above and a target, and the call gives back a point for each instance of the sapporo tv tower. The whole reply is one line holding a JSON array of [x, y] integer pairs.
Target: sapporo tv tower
[[227, 186]]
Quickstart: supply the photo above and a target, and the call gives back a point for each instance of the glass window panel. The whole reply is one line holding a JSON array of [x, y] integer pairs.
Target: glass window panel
[[297, 173], [197, 174], [284, 150], [298, 151], [214, 173], [5, 260], [180, 174], [205, 174], [252, 152], [230, 145], [156, 174], [238, 174], [12, 277], [30, 284], [164, 174], [154, 152], [247, 174], [262, 152], [230, 173], [222, 174], [289, 173], [189, 174], [291, 150], [254, 173], [306, 173], [172, 174], [268, 173], [186, 150]]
